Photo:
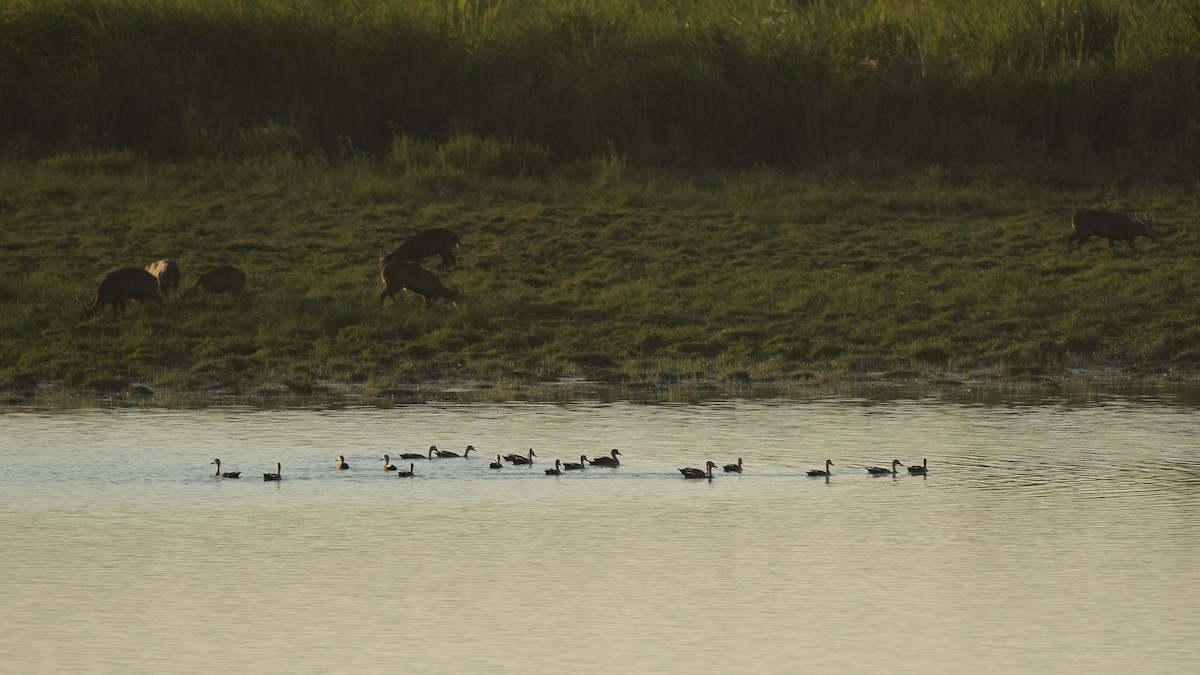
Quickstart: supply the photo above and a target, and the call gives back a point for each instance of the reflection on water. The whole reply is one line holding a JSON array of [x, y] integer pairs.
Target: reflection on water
[[1048, 539]]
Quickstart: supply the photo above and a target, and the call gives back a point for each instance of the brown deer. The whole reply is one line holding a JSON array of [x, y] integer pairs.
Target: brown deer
[[168, 274], [221, 279], [1109, 225], [119, 287], [438, 241], [406, 276]]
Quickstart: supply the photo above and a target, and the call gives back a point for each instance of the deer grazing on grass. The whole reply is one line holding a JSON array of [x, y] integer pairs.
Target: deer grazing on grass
[[119, 287], [168, 274], [222, 279], [407, 276], [1109, 225], [439, 241]]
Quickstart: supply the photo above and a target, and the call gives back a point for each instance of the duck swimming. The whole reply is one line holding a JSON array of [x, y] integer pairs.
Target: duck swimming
[[572, 466], [517, 459], [611, 460], [418, 455], [697, 473], [342, 463], [227, 474], [555, 471], [818, 472], [734, 468], [387, 463], [274, 476], [496, 464], [920, 470], [447, 453], [880, 471], [406, 474]]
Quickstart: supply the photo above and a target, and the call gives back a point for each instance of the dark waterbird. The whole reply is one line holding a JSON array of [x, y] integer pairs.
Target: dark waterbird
[[920, 470], [555, 471], [387, 463], [448, 453], [496, 464], [278, 475], [880, 471], [611, 460], [227, 474], [405, 474], [818, 472], [698, 473], [341, 463], [576, 466], [734, 468], [417, 455], [518, 459]]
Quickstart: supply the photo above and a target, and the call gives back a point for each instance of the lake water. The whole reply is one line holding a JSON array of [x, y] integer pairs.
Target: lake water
[[1047, 538]]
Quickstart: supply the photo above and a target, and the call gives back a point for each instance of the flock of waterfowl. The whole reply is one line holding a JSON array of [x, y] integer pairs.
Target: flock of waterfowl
[[609, 460]]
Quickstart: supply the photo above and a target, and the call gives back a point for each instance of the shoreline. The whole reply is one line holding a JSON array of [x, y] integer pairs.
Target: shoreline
[[1074, 384]]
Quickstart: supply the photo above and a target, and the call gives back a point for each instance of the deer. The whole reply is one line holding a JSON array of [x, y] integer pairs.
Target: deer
[[1109, 225], [119, 287], [168, 274], [439, 241], [220, 279], [406, 276]]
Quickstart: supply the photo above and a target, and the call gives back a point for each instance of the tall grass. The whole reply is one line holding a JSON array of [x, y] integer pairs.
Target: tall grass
[[685, 82]]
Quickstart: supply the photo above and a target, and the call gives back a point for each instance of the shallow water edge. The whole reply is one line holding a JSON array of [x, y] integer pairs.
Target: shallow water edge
[[1092, 385]]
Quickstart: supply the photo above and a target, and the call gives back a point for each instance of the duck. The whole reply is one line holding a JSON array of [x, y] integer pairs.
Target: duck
[[387, 463], [697, 473], [919, 470], [555, 471], [518, 459], [572, 466], [496, 464], [734, 468], [880, 471], [342, 463], [406, 474], [818, 472], [274, 476], [227, 474], [607, 461], [418, 455], [447, 453]]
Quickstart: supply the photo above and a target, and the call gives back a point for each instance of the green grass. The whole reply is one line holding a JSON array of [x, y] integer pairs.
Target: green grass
[[650, 194], [646, 282], [718, 83]]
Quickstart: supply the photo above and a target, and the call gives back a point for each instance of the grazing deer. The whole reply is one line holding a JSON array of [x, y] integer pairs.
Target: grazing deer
[[406, 276], [121, 286], [438, 241], [168, 274], [222, 279], [1111, 226]]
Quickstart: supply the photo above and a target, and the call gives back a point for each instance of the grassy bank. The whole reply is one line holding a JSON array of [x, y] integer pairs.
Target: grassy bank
[[598, 271], [722, 83]]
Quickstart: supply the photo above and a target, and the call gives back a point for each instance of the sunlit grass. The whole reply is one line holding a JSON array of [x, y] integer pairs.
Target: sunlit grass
[[659, 280]]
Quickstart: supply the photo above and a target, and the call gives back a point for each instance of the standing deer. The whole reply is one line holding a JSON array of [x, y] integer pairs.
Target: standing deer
[[168, 274], [119, 287], [438, 241], [406, 276], [221, 279], [1109, 225]]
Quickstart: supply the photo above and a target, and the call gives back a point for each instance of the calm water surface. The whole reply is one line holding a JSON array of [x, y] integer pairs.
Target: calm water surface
[[1046, 539]]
